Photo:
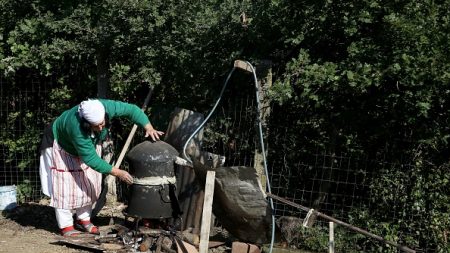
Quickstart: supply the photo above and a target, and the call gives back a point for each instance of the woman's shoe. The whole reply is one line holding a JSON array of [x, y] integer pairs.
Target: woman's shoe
[[69, 231], [88, 227]]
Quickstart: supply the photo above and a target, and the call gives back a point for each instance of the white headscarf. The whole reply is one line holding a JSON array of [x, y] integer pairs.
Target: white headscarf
[[92, 110]]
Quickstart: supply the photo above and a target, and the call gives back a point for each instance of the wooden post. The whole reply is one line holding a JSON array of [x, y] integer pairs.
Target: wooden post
[[207, 211], [331, 242], [264, 76], [212, 161]]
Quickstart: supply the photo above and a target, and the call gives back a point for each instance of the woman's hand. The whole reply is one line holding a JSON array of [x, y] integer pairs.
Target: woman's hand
[[122, 175], [153, 133]]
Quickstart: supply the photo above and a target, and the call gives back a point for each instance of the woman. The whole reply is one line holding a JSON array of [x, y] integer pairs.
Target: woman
[[70, 165]]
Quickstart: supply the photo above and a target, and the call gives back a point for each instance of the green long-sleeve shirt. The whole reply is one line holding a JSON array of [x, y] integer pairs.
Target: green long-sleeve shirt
[[69, 135]]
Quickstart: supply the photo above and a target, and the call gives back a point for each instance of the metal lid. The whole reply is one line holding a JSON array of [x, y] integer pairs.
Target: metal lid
[[152, 159]]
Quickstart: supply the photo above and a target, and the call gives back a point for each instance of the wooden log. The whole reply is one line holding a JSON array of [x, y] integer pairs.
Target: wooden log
[[159, 244], [146, 244], [207, 211], [191, 238]]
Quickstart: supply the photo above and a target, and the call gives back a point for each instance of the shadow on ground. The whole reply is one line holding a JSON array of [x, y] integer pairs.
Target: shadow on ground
[[42, 216], [33, 215]]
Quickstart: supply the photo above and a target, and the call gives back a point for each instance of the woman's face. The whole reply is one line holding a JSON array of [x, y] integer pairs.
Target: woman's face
[[99, 127]]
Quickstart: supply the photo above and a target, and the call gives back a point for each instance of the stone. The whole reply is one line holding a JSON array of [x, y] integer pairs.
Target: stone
[[239, 203]]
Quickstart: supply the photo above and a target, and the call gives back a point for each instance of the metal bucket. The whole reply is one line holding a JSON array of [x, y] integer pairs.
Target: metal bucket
[[8, 197]]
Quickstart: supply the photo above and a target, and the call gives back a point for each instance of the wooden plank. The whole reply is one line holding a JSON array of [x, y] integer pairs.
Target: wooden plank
[[213, 161], [198, 213], [193, 194], [181, 126], [207, 211]]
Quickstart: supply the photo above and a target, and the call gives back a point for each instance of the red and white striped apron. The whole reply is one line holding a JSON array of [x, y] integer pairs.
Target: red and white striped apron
[[74, 183]]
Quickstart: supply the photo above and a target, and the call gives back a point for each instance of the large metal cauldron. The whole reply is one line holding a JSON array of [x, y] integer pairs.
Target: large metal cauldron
[[152, 194]]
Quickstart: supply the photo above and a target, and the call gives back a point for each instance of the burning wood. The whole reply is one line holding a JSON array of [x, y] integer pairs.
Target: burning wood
[[118, 238]]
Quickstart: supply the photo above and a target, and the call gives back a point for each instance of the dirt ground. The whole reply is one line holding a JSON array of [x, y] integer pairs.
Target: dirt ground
[[32, 228]]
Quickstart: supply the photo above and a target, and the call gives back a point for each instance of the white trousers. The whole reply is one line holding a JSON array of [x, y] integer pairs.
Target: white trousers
[[64, 217], [45, 163]]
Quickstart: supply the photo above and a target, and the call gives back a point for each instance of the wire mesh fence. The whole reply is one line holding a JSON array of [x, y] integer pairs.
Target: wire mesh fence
[[21, 113], [336, 184]]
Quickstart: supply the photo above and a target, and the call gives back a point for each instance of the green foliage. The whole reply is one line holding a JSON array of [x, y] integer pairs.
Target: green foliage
[[360, 64], [20, 143], [315, 239], [24, 191], [418, 197], [370, 77]]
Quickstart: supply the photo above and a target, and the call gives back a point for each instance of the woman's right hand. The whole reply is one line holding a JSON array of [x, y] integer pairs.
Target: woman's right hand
[[122, 175]]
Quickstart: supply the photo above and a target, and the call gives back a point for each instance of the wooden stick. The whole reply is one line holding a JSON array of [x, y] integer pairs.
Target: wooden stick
[[133, 131], [207, 210]]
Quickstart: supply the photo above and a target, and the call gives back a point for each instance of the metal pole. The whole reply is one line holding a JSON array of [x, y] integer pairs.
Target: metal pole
[[331, 239], [351, 227]]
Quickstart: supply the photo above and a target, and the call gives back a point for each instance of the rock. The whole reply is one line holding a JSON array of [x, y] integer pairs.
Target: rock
[[239, 202]]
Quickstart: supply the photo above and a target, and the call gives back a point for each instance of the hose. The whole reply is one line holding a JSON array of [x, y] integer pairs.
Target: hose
[[263, 150], [207, 117]]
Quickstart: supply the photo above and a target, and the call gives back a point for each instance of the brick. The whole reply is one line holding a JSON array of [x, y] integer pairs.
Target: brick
[[241, 247]]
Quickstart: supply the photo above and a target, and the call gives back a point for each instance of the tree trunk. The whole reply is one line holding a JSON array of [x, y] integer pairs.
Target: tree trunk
[[103, 87]]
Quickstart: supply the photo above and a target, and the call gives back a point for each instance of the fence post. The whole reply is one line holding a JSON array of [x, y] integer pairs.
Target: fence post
[[264, 76], [331, 241]]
